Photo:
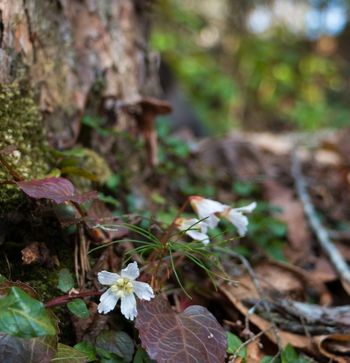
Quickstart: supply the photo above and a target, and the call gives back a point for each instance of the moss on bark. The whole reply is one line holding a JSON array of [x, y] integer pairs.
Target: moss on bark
[[20, 125]]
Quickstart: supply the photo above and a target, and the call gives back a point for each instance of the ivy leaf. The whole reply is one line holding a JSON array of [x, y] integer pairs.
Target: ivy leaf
[[65, 280], [142, 357], [118, 343], [233, 344], [23, 316], [58, 189], [78, 308], [191, 336], [33, 350], [67, 354], [289, 355], [88, 349]]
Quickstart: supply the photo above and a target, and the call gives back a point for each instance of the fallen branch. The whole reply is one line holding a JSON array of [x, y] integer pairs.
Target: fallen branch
[[321, 233]]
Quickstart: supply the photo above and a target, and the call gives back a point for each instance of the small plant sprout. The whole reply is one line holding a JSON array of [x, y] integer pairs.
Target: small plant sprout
[[123, 286], [194, 228], [210, 210]]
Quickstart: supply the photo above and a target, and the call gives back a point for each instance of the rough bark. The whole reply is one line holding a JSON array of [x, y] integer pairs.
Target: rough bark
[[62, 49]]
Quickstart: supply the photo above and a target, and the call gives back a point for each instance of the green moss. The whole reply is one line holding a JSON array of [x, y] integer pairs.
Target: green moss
[[43, 281], [20, 125], [94, 164]]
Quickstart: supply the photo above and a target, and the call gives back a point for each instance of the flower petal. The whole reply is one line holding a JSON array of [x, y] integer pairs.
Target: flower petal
[[239, 221], [107, 278], [211, 220], [187, 223], [128, 306], [247, 209], [131, 271], [206, 209], [143, 290], [108, 301], [198, 236], [194, 224]]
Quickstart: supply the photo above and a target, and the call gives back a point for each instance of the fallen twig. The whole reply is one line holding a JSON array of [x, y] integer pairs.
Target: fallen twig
[[321, 233], [247, 342], [256, 282]]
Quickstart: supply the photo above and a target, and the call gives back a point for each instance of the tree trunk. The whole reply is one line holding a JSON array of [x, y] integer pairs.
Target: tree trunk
[[62, 50]]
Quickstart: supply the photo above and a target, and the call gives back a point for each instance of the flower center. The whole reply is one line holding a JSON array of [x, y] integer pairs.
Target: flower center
[[122, 287]]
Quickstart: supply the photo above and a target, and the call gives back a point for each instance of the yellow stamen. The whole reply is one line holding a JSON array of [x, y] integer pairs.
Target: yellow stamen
[[122, 287]]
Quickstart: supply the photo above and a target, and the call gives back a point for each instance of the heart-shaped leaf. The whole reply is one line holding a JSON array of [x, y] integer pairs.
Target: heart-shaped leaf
[[78, 308], [65, 280], [23, 316], [191, 336], [88, 349], [20, 350], [116, 342], [55, 188]]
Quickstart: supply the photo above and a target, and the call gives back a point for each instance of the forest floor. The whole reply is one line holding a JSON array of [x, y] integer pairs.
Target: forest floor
[[286, 284]]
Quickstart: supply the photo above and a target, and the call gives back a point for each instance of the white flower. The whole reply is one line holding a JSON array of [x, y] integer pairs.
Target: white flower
[[194, 228], [207, 209], [123, 287], [236, 217], [210, 210]]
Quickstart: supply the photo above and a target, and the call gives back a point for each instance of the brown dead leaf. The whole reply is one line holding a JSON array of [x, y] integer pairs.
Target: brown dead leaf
[[278, 283], [336, 347], [293, 215], [254, 352], [38, 253], [236, 295]]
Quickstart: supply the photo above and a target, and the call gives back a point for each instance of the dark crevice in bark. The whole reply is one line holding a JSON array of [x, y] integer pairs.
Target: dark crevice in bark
[[1, 29]]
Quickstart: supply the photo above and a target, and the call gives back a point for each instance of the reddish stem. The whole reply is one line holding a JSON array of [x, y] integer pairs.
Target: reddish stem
[[60, 300], [159, 254], [172, 226]]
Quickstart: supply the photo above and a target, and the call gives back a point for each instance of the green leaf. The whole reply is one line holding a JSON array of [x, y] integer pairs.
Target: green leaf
[[108, 357], [78, 308], [74, 170], [23, 316], [233, 344], [268, 359], [118, 343], [289, 355], [141, 356], [67, 354], [65, 280], [88, 349]]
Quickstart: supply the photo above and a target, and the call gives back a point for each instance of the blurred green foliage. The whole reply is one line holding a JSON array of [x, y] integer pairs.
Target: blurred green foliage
[[278, 80], [212, 93]]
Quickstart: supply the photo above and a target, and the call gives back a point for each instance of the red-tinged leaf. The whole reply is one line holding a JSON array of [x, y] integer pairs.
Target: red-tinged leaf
[[81, 198], [193, 336], [57, 189], [33, 350]]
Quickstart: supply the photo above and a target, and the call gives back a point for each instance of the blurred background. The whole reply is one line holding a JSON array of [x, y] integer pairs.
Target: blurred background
[[255, 65]]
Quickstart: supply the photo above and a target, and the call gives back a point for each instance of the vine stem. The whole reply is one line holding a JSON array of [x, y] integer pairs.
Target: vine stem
[[60, 300]]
